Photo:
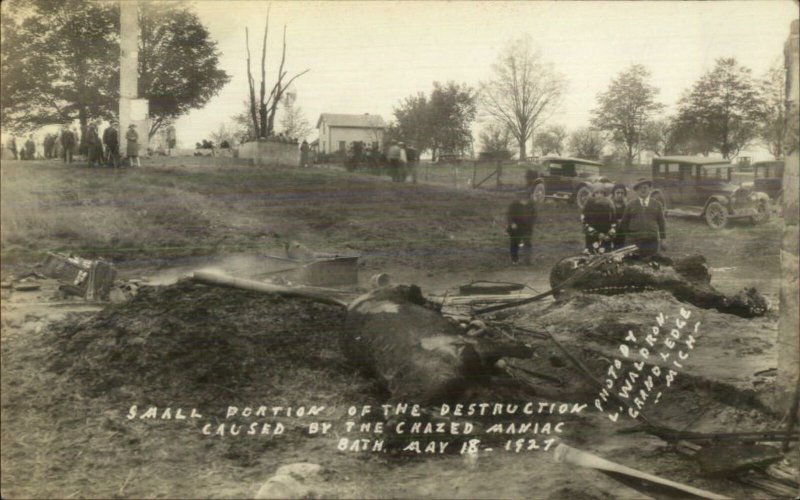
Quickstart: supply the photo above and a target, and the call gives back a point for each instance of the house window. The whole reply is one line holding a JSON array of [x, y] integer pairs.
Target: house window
[[374, 145], [342, 146]]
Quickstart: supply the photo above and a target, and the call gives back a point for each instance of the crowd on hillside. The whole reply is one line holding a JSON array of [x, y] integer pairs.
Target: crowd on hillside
[[97, 150]]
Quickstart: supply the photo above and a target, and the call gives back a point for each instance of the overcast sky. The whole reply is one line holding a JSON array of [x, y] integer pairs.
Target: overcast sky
[[366, 56]]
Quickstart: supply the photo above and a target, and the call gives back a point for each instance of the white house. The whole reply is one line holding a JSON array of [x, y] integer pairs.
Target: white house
[[337, 131]]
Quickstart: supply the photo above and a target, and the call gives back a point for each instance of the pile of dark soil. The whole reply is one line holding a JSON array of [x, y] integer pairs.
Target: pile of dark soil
[[193, 345]]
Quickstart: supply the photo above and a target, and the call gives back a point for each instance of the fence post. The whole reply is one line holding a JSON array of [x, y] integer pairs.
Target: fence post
[[499, 172], [474, 172]]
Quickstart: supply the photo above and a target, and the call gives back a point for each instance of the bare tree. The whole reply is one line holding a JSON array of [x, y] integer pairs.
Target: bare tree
[[524, 91], [262, 113]]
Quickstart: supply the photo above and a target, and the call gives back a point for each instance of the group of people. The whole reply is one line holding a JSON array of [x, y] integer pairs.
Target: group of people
[[99, 150], [402, 161], [609, 223], [26, 152]]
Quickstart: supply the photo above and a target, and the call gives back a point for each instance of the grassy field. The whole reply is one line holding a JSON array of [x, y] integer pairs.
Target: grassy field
[[182, 207]]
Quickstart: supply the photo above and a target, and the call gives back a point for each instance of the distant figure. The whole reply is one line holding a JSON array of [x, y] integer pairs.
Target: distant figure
[[412, 158], [47, 146], [111, 142], [94, 146], [598, 222], [30, 149], [132, 149], [393, 155], [304, 153], [643, 223], [521, 217], [620, 201], [68, 142], [12, 145], [58, 150]]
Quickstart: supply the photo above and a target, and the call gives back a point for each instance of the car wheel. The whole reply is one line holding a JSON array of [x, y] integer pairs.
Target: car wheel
[[582, 196], [539, 193], [716, 215], [762, 210]]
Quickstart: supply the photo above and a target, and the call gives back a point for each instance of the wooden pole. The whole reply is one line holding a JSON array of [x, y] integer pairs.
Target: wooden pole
[[223, 280]]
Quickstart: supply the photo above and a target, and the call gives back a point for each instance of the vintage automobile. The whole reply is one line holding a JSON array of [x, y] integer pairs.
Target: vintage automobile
[[570, 179], [768, 178], [702, 187]]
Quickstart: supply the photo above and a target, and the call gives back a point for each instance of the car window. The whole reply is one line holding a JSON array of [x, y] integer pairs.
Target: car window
[[555, 169], [568, 170], [587, 170], [672, 171]]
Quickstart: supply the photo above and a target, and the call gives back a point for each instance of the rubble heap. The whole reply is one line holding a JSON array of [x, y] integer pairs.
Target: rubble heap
[[198, 345]]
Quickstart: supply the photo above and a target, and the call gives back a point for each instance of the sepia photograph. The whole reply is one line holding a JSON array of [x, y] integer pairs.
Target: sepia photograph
[[280, 249]]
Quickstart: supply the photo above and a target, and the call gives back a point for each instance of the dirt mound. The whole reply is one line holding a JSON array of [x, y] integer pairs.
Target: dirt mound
[[725, 360], [191, 344]]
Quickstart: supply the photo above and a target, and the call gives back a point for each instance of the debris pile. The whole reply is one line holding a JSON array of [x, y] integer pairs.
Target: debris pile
[[192, 344], [688, 279]]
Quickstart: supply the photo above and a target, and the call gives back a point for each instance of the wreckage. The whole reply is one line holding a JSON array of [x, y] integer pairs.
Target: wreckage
[[687, 279], [402, 339], [418, 353]]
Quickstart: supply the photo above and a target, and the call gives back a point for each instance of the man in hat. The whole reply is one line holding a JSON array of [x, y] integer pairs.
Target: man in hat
[[521, 217], [643, 223], [111, 142], [132, 149], [68, 141]]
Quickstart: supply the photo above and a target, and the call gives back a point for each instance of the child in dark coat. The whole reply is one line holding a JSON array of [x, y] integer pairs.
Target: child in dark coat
[[521, 217]]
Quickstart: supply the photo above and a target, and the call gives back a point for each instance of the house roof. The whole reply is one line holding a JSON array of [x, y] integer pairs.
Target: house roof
[[356, 121], [693, 160]]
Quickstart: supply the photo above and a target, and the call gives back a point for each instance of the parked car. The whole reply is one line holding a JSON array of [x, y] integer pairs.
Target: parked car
[[702, 187], [570, 179], [768, 178]]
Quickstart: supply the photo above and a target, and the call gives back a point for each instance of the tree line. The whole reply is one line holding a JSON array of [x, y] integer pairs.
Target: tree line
[[60, 62], [726, 110]]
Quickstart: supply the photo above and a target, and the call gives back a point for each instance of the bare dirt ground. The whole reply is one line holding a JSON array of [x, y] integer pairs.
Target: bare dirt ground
[[70, 370]]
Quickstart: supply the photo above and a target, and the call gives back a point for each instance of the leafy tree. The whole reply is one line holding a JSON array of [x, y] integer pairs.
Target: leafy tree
[[293, 120], [625, 108], [437, 123], [523, 92], [495, 142], [412, 122], [452, 111], [723, 111], [551, 140], [60, 61], [178, 62], [775, 132], [587, 143], [659, 137]]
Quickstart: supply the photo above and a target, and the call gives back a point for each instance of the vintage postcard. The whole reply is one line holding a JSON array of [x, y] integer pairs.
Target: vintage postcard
[[399, 249]]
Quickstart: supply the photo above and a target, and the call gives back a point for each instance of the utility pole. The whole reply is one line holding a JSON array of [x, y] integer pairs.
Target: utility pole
[[788, 335], [132, 110]]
